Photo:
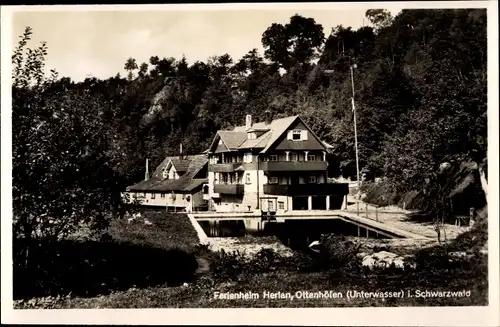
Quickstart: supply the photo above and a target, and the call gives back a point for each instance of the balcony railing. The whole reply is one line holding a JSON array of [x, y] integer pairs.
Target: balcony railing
[[293, 165], [224, 167], [307, 189], [229, 188]]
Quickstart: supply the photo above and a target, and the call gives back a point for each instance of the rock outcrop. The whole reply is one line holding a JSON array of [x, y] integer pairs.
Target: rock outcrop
[[384, 259]]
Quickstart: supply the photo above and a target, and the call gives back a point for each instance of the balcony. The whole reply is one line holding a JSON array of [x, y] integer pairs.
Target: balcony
[[293, 165], [224, 167], [229, 188], [307, 189]]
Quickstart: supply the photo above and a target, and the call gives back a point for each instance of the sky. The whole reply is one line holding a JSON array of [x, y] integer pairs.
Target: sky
[[83, 43]]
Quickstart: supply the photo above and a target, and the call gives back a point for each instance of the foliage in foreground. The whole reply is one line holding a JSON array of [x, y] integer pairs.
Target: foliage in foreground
[[269, 272], [129, 254]]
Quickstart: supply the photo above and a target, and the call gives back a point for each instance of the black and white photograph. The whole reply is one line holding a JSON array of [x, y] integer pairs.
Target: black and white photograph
[[265, 156]]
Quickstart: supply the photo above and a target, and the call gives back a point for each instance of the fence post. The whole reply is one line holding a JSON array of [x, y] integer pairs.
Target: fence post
[[376, 213], [366, 209]]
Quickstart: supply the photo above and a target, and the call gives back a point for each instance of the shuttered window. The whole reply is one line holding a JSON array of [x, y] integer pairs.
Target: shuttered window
[[297, 135]]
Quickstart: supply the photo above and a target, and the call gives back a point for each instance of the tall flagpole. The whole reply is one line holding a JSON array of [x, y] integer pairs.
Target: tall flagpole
[[355, 134]]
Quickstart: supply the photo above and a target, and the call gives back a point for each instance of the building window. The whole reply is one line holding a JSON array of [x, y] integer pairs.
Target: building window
[[273, 180], [153, 195], [144, 194], [162, 195], [281, 205], [183, 196], [311, 157], [270, 205], [294, 157], [296, 135], [312, 179], [273, 157], [247, 180]]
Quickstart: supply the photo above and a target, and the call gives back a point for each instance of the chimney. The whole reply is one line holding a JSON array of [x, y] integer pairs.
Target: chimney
[[248, 122], [147, 169], [180, 151]]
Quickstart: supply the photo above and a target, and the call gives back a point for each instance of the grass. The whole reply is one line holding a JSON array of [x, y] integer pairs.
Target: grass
[[201, 293], [168, 231], [128, 255]]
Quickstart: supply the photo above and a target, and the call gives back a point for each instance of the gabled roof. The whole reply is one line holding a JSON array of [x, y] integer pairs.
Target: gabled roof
[[279, 126], [259, 142], [181, 164], [232, 139], [185, 183], [237, 138]]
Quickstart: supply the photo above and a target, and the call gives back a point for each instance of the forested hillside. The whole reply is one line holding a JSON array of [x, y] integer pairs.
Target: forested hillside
[[420, 92]]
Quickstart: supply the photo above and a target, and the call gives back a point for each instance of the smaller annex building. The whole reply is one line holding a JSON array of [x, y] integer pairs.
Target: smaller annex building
[[176, 184]]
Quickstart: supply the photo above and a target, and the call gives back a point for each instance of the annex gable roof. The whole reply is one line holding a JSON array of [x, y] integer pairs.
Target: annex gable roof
[[192, 164]]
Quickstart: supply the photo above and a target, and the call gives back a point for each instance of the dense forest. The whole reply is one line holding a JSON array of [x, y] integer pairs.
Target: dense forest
[[420, 93]]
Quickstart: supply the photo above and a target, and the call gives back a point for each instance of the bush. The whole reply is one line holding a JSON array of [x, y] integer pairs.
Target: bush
[[338, 252], [381, 193], [227, 265]]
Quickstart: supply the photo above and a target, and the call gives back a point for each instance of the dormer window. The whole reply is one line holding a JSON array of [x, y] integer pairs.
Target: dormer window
[[252, 136], [297, 135]]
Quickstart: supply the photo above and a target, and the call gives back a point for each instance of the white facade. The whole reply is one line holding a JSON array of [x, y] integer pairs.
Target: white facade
[[172, 200]]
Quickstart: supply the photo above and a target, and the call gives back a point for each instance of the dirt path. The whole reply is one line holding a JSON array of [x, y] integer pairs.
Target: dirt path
[[397, 217]]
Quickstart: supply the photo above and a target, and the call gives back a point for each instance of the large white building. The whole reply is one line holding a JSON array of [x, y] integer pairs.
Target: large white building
[[276, 166]]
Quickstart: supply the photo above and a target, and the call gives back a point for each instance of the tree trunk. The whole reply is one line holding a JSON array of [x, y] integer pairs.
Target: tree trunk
[[484, 183]]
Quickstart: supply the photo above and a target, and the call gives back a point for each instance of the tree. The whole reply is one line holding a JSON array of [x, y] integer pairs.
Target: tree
[[62, 177], [298, 42], [276, 43], [143, 70], [130, 66], [306, 38], [380, 18]]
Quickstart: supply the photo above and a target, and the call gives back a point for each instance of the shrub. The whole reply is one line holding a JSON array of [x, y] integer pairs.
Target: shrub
[[227, 265], [338, 252], [381, 193]]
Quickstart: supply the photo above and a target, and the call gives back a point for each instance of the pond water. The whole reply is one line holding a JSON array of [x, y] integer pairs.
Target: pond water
[[296, 233]]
